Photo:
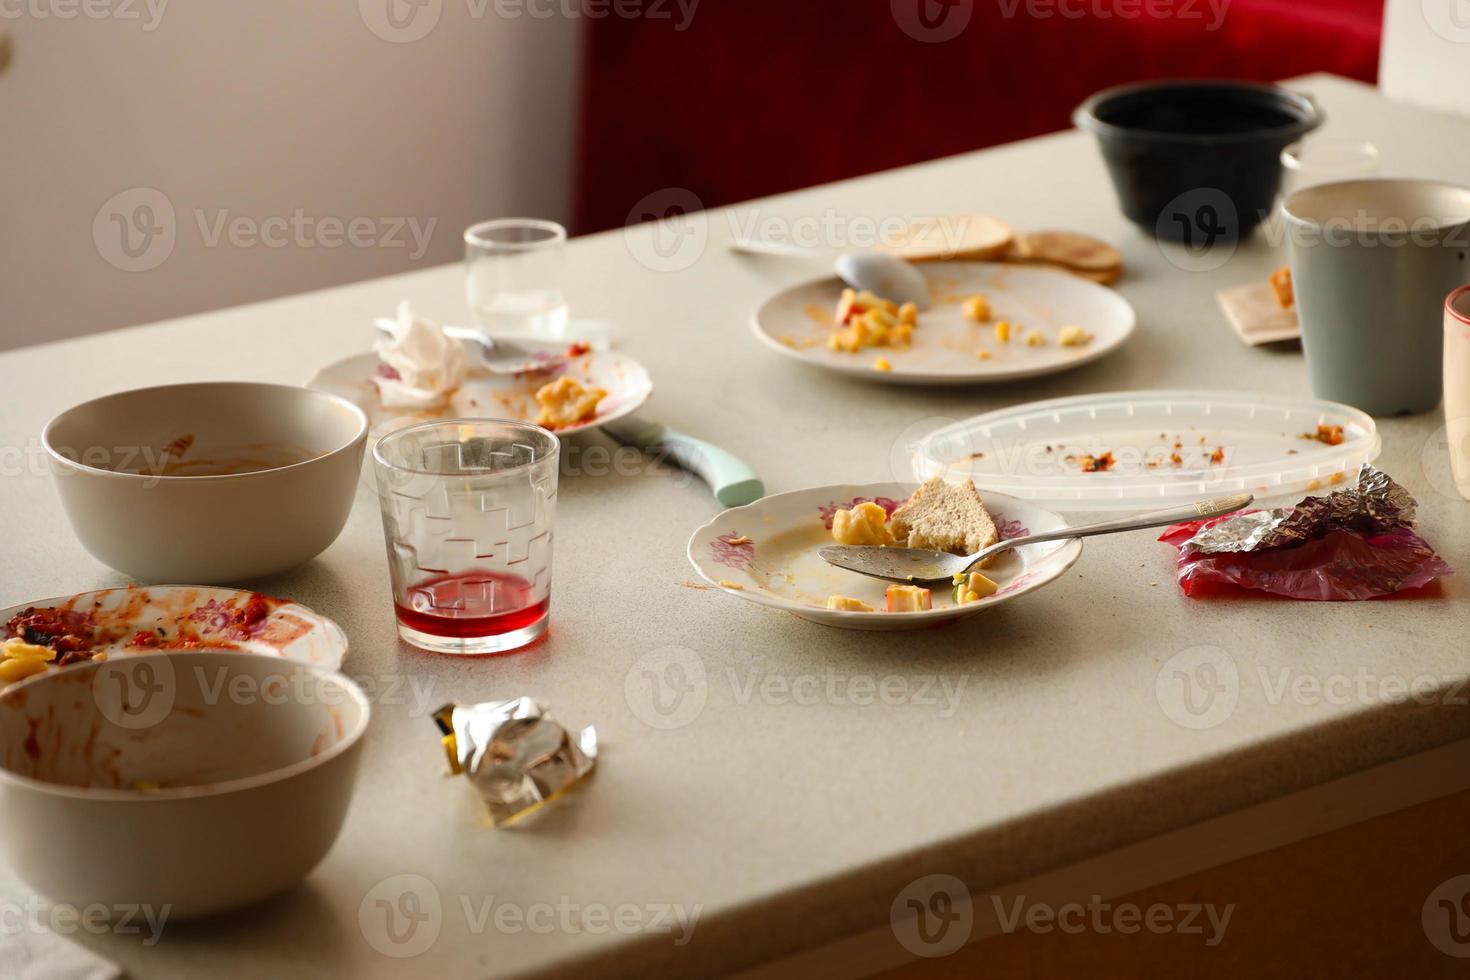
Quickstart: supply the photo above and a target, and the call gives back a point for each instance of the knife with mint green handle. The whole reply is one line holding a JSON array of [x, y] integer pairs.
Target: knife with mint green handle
[[733, 482]]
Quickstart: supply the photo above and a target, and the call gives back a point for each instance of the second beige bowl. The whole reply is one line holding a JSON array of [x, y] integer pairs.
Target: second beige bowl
[[208, 483]]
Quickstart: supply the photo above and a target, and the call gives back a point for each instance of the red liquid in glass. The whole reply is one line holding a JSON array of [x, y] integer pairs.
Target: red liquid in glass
[[471, 604]]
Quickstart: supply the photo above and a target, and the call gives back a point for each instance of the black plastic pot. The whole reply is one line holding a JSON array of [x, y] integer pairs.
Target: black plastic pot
[[1197, 161]]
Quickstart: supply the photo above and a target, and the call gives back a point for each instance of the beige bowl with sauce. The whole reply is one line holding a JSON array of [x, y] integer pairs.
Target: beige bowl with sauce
[[182, 783], [209, 483]]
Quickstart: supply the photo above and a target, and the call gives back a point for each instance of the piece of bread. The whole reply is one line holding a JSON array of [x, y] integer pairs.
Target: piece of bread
[[1070, 249], [1082, 255], [974, 237], [944, 516]]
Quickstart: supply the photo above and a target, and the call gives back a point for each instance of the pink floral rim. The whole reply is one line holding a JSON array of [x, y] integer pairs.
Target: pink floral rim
[[733, 551]]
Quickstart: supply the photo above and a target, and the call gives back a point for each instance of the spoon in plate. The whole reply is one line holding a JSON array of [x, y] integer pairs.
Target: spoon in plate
[[882, 275], [916, 565], [496, 356]]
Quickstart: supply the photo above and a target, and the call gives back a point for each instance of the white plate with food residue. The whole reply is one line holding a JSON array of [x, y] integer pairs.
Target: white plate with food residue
[[948, 348], [113, 622], [766, 553], [501, 396], [1138, 450]]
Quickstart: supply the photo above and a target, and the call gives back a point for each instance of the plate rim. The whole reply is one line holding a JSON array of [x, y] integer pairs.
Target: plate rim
[[1110, 495], [992, 377], [1070, 552], [333, 629]]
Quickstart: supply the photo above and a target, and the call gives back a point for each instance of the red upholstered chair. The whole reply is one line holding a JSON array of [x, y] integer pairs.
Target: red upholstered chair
[[753, 97]]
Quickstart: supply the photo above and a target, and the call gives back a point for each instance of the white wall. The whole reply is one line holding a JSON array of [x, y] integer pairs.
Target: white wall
[[253, 110], [1426, 53]]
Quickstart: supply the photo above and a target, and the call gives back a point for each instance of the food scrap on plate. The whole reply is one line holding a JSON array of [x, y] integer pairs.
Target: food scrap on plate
[[95, 625], [565, 403], [514, 754], [1355, 543], [866, 320], [939, 516]]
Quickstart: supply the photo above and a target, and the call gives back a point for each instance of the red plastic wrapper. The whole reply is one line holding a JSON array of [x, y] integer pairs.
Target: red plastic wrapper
[[1339, 565]]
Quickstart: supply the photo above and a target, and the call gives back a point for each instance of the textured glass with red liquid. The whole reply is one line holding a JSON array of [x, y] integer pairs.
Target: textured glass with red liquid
[[468, 507]]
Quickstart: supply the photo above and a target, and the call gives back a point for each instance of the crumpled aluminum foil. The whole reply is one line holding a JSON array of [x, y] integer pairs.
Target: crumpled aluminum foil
[[514, 754], [1375, 504]]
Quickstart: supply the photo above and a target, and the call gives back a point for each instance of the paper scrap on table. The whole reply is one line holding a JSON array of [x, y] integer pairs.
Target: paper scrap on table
[[1257, 317]]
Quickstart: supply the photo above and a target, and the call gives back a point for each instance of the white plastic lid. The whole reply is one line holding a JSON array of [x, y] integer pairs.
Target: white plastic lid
[[1166, 447]]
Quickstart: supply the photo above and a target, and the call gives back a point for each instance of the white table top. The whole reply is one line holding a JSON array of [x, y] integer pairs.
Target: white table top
[[789, 824]]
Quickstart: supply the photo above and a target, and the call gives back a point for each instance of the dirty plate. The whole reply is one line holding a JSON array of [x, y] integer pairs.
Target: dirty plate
[[766, 552], [179, 617], [495, 396], [946, 346]]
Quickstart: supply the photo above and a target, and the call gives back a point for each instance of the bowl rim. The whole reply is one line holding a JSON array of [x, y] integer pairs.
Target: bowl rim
[[1290, 205], [349, 739], [1086, 117], [357, 439], [1452, 306]]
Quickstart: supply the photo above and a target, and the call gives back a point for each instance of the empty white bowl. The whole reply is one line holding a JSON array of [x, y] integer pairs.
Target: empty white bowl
[[208, 483], [191, 782]]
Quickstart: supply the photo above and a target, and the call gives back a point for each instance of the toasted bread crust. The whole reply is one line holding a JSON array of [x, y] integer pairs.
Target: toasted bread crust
[[948, 517]]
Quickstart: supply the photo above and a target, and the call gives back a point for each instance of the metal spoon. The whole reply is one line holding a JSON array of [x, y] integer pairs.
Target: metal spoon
[[908, 565], [880, 274], [496, 356]]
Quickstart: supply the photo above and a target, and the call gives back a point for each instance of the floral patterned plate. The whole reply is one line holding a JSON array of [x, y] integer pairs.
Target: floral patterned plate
[[766, 552], [494, 396], [144, 619]]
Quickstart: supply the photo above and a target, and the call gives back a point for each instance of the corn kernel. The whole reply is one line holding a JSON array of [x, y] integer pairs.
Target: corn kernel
[[882, 364], [1035, 339], [977, 308], [882, 317], [1003, 332], [1073, 337], [14, 670], [908, 313]]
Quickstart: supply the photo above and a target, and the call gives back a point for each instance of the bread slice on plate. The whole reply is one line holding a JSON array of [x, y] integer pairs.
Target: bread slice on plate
[[948, 517]]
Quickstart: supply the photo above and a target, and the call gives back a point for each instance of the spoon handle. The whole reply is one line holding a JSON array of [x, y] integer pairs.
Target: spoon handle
[[1202, 510], [756, 246], [503, 349]]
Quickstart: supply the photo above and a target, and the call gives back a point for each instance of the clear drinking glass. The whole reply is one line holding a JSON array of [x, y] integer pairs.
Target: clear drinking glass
[[514, 273], [468, 507]]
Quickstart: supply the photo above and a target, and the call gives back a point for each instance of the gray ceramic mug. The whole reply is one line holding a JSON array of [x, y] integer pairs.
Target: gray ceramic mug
[[1371, 262]]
